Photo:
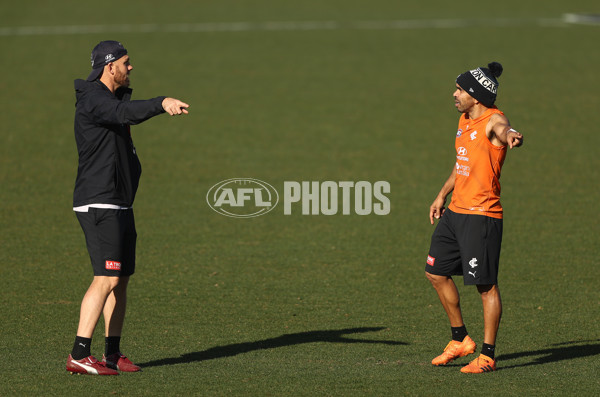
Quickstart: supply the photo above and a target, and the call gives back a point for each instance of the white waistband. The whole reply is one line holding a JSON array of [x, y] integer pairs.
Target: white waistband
[[85, 208]]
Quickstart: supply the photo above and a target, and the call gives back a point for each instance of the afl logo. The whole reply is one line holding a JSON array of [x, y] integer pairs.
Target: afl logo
[[458, 133], [242, 197], [461, 151]]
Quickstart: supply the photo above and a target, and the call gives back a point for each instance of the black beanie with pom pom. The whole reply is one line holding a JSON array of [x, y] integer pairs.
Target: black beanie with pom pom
[[482, 83]]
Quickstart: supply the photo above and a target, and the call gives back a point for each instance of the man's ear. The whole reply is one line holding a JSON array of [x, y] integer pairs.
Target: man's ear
[[109, 68]]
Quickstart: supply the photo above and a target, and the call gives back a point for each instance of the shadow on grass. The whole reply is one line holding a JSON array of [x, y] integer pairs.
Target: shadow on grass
[[333, 336], [561, 352]]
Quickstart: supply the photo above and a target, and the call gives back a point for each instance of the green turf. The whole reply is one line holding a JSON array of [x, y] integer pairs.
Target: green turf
[[303, 305]]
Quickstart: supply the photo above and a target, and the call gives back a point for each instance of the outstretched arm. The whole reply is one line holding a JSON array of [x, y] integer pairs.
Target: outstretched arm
[[501, 133], [106, 109], [437, 208]]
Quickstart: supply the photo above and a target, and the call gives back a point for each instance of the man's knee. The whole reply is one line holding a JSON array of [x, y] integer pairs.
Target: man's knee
[[110, 283], [488, 290], [121, 285], [490, 294], [435, 279]]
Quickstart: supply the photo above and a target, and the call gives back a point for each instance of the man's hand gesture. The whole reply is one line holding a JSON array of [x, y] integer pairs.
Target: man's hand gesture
[[174, 106]]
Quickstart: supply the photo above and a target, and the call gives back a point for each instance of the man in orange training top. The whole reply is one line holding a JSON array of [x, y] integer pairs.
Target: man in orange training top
[[468, 236]]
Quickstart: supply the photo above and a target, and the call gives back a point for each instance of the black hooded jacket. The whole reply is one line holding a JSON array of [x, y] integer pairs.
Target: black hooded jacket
[[109, 169]]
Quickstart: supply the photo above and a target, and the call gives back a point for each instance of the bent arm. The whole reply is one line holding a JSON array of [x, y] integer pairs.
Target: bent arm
[[436, 210]]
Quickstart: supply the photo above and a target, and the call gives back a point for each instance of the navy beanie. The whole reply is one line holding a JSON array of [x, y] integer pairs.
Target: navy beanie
[[482, 83]]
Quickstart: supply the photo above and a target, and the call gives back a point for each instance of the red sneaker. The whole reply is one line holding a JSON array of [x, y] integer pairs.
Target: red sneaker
[[120, 362], [88, 365]]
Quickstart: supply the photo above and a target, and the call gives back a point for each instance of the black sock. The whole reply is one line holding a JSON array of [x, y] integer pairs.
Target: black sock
[[459, 333], [81, 348], [488, 350], [111, 345]]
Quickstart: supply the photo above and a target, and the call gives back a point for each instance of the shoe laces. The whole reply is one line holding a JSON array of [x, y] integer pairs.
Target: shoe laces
[[452, 347]]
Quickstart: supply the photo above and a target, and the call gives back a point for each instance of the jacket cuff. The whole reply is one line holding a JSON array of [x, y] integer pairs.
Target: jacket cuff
[[159, 100]]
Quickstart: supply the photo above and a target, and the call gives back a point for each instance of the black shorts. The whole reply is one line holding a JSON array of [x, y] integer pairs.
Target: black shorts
[[467, 245], [110, 237]]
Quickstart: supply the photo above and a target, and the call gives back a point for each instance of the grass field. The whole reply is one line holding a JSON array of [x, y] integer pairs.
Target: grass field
[[302, 305]]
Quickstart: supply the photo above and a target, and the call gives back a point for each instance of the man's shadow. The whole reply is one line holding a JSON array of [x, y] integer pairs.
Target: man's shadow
[[560, 352], [333, 336]]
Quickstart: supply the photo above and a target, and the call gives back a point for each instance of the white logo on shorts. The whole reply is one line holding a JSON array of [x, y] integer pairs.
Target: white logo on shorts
[[473, 273], [473, 263]]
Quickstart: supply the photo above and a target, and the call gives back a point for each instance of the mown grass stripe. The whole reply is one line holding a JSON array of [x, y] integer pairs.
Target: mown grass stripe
[[284, 26]]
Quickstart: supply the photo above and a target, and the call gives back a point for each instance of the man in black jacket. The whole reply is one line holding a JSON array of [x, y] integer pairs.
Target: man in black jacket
[[107, 180]]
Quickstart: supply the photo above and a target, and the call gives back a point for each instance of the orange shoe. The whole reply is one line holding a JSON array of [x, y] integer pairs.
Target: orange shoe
[[454, 350], [481, 364]]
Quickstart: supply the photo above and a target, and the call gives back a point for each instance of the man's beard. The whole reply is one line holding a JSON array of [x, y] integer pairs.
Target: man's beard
[[122, 79]]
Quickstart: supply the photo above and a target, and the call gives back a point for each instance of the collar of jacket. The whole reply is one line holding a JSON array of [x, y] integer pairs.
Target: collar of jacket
[[122, 93]]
